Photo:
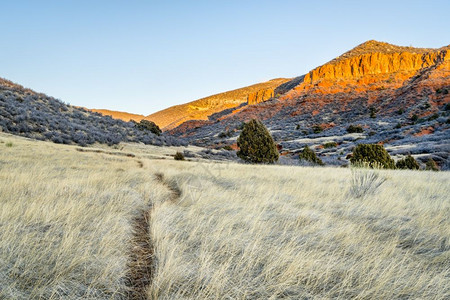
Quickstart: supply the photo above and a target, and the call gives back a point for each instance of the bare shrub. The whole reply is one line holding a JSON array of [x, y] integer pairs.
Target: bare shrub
[[365, 182]]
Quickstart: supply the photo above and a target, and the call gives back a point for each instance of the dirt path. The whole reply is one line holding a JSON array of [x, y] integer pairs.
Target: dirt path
[[141, 258], [141, 264]]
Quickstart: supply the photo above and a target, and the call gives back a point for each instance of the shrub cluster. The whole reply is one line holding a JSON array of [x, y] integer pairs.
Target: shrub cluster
[[310, 156], [256, 145], [330, 145], [150, 126], [407, 163]]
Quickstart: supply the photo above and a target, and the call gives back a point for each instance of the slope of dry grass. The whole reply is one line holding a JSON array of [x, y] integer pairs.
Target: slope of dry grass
[[219, 231]]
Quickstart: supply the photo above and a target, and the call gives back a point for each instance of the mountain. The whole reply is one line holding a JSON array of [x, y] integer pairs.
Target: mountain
[[398, 95], [200, 109], [35, 115]]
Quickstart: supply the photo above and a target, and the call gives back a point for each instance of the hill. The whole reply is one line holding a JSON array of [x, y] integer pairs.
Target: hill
[[398, 95], [200, 109], [38, 116], [124, 116]]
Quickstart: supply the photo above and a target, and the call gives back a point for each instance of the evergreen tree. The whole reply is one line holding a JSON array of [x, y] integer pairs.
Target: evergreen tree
[[372, 154], [308, 155], [407, 163], [256, 145]]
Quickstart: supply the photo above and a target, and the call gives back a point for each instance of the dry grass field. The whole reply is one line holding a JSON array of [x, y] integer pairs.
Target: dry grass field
[[217, 230]]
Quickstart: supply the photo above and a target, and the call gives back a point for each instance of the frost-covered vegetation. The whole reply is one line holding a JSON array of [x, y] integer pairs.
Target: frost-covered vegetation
[[26, 113]]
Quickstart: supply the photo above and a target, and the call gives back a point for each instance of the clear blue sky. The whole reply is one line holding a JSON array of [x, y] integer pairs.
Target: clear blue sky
[[143, 56]]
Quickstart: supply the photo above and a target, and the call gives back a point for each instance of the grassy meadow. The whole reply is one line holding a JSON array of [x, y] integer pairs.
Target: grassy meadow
[[217, 230]]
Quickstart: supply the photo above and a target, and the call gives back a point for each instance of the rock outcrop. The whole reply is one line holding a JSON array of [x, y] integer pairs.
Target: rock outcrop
[[260, 96], [372, 66]]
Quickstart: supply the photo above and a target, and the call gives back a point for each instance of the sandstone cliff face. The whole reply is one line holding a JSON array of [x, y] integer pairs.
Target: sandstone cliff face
[[372, 70], [260, 96]]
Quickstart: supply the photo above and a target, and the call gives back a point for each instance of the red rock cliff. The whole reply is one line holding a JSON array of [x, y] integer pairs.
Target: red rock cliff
[[373, 65]]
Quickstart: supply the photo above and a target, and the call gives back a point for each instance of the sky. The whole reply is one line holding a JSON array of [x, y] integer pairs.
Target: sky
[[144, 56]]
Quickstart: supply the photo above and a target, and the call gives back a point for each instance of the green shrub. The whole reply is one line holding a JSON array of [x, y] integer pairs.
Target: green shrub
[[354, 129], [256, 145], [373, 112], [414, 118], [431, 165], [407, 163], [150, 126], [179, 156], [228, 148], [398, 126], [317, 129], [400, 111], [373, 155], [433, 117], [9, 144], [308, 155], [330, 145], [225, 134]]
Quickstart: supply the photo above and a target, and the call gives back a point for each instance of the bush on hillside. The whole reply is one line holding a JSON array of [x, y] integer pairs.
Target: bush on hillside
[[373, 112], [407, 163], [179, 156], [256, 145], [431, 165], [150, 126], [373, 155], [354, 129], [310, 156], [330, 145], [317, 129]]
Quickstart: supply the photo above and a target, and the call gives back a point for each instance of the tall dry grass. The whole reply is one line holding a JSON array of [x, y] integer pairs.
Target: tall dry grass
[[66, 220], [269, 232], [219, 231]]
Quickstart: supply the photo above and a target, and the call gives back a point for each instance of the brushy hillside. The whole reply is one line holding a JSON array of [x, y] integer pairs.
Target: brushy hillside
[[34, 115], [216, 230]]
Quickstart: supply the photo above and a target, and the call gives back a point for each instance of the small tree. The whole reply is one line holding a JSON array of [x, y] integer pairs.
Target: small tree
[[373, 112], [354, 129], [407, 163], [256, 145], [431, 165], [179, 156], [150, 126], [308, 155], [372, 155]]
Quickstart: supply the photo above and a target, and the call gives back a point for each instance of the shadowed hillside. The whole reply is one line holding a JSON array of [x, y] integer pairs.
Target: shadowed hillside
[[38, 116]]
